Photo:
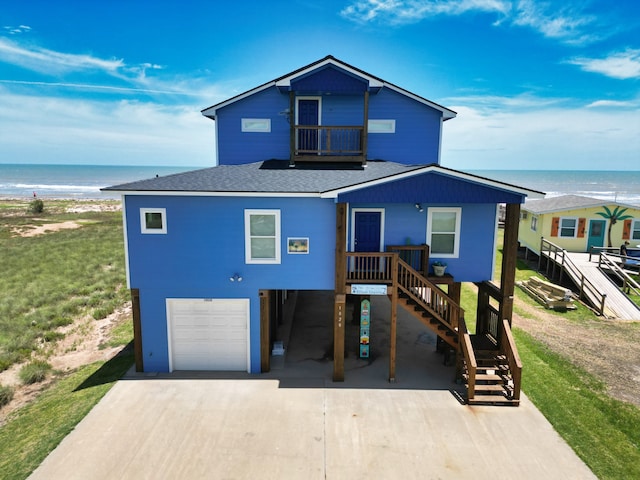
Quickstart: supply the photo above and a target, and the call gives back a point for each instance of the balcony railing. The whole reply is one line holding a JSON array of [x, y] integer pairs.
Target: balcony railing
[[329, 144]]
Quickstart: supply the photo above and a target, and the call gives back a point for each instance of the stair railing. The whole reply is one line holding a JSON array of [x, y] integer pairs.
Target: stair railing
[[509, 350], [469, 358], [429, 296]]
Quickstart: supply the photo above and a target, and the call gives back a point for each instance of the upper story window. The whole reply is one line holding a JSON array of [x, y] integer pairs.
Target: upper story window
[[262, 236], [256, 125], [381, 126], [443, 231], [568, 227], [153, 220]]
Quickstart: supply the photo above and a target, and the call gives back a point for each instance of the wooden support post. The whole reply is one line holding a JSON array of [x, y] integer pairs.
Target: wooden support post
[[292, 126], [340, 297], [265, 330], [394, 320], [137, 330], [338, 337], [509, 260], [365, 128]]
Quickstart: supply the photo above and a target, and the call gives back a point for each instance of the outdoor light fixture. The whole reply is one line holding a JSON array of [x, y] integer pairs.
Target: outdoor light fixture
[[236, 278], [419, 207]]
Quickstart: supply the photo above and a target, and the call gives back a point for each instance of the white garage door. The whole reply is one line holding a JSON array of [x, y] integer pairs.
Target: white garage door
[[209, 334]]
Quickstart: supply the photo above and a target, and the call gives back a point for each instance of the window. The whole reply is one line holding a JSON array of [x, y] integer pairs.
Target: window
[[381, 126], [568, 227], [534, 223], [256, 125], [153, 220], [635, 230], [262, 236], [443, 231]]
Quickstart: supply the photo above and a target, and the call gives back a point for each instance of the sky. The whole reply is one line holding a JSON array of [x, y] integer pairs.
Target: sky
[[536, 84]]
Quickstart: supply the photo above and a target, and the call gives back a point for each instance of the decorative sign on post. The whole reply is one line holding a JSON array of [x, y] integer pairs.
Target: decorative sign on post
[[363, 289], [365, 323]]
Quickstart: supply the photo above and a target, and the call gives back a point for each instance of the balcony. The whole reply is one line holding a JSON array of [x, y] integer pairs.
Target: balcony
[[316, 143]]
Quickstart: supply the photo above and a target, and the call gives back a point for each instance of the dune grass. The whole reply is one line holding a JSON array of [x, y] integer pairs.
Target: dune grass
[[50, 279]]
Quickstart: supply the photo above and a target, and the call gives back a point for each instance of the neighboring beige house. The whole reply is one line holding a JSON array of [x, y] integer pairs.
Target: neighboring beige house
[[578, 223]]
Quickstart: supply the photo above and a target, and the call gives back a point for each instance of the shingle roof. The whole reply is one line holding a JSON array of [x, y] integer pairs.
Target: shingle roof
[[277, 177], [272, 176], [566, 202]]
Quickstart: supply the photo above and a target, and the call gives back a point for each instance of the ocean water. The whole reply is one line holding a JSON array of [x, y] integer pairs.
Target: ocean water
[[72, 181], [85, 181]]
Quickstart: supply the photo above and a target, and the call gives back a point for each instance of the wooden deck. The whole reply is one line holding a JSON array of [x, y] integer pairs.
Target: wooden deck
[[617, 305]]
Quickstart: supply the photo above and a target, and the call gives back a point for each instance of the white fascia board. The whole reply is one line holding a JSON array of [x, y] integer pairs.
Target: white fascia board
[[286, 81], [218, 194], [435, 169]]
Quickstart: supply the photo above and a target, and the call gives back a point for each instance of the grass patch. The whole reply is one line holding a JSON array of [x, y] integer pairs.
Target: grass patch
[[6, 395], [48, 280], [34, 372], [602, 431], [36, 429]]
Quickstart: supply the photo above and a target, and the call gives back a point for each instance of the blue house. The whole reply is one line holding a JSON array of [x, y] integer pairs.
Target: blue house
[[328, 178]]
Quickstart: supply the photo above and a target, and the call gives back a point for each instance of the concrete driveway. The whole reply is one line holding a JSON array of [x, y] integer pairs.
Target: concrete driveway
[[295, 423]]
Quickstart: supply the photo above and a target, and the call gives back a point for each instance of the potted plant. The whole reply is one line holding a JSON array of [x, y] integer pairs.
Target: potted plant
[[439, 267]]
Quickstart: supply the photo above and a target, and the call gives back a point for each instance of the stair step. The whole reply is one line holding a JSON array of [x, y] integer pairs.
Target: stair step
[[492, 399], [491, 388], [484, 377]]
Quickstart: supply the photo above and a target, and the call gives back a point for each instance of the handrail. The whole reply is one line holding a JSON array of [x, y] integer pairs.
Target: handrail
[[511, 352], [372, 267], [466, 347], [627, 281], [565, 263], [328, 140], [429, 296]]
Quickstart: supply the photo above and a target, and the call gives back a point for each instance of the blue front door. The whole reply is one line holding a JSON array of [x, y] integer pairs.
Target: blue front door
[[596, 233], [308, 114], [367, 231]]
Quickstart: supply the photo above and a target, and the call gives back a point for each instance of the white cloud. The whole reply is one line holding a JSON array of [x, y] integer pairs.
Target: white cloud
[[546, 137], [17, 30], [42, 60], [46, 129], [621, 65], [564, 23], [411, 11]]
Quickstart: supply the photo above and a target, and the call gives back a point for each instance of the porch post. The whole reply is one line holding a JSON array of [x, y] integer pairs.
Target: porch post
[[265, 330], [340, 297], [365, 129], [137, 330], [292, 127], [509, 259], [394, 320]]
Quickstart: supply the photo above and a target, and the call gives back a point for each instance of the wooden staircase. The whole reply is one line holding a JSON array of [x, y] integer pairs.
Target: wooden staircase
[[489, 367]]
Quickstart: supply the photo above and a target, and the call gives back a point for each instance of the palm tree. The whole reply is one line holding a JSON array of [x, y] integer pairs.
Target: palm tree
[[613, 218]]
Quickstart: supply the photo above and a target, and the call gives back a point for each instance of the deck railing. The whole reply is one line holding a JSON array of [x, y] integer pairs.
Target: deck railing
[[612, 263], [416, 256], [313, 142], [557, 255], [370, 267]]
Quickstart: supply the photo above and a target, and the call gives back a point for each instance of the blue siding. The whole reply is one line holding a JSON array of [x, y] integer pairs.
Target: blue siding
[[431, 188], [343, 110], [329, 79], [477, 235], [204, 246], [236, 147], [417, 136]]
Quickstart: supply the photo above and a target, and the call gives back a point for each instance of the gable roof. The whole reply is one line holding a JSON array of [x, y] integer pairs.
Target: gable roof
[[285, 82], [277, 178], [567, 202]]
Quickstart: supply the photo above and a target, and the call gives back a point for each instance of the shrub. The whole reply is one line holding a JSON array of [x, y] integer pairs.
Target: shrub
[[6, 395], [36, 206], [34, 372]]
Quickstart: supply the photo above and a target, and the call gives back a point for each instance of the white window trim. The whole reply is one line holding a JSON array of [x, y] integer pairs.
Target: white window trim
[[247, 237], [575, 228], [256, 125], [534, 223], [635, 227], [381, 126], [143, 221], [319, 99], [456, 241]]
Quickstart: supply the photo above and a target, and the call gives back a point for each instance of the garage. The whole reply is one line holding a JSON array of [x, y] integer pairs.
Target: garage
[[208, 334]]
